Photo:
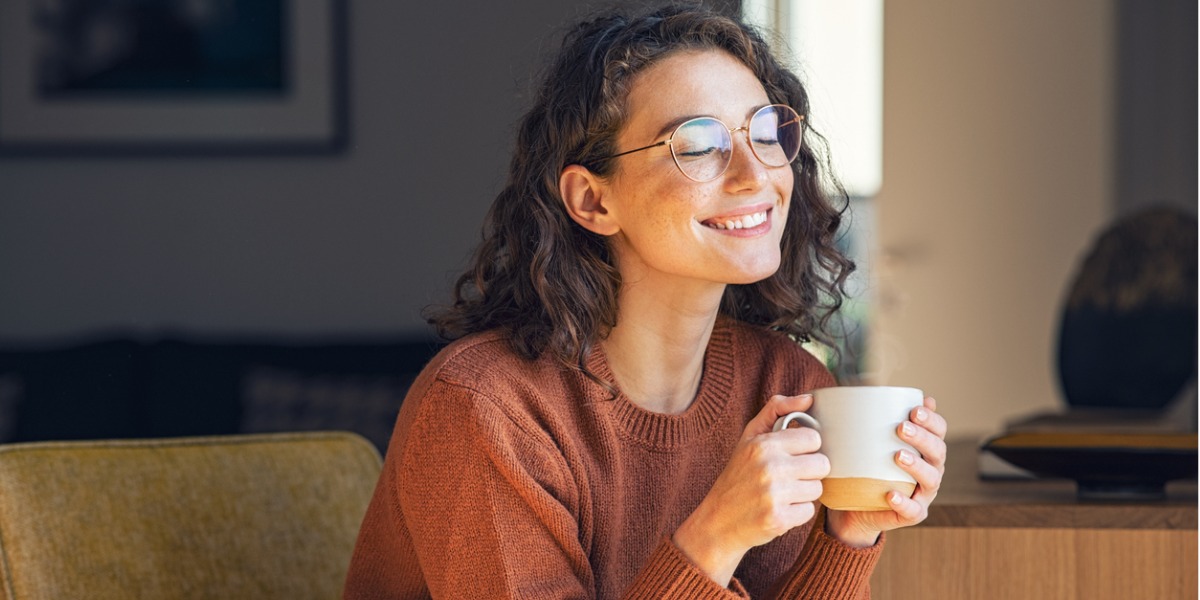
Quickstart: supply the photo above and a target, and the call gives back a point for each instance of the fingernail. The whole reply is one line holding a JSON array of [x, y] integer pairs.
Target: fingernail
[[908, 429], [922, 415], [809, 396], [906, 457], [895, 498]]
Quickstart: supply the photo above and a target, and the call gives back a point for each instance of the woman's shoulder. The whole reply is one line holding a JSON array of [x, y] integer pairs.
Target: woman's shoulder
[[483, 356], [480, 395], [486, 367], [482, 379], [491, 344]]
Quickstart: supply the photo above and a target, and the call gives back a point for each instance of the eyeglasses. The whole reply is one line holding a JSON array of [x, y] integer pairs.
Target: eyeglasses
[[703, 147]]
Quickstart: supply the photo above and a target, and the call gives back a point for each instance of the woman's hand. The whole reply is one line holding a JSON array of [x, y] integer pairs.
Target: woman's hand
[[926, 432], [767, 488]]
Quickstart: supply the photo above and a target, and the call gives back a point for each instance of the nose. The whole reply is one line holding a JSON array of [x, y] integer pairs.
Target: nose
[[745, 171]]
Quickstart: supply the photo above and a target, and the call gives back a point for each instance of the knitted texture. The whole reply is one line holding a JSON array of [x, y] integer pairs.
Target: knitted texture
[[508, 478], [242, 516]]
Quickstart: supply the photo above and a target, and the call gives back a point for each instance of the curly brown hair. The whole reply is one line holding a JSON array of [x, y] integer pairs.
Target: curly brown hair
[[553, 284]]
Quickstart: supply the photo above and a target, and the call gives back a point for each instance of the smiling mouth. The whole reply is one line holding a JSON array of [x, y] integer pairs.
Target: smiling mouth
[[742, 222]]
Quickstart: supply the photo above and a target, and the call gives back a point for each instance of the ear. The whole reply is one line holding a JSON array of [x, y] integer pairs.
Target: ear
[[583, 193]]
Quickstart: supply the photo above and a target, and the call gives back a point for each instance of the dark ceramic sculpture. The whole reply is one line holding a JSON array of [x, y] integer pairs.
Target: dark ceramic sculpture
[[1128, 331]]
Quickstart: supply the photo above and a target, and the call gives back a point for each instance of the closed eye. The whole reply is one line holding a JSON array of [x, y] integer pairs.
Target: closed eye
[[697, 153]]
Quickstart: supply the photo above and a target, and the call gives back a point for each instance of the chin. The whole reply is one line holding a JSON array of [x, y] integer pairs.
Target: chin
[[754, 275]]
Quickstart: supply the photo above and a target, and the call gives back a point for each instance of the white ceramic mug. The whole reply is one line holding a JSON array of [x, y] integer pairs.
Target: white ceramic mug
[[858, 433]]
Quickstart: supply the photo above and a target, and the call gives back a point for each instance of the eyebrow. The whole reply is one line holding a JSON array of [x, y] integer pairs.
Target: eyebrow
[[677, 121]]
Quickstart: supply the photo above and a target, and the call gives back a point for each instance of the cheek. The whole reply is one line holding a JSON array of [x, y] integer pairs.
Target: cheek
[[666, 204], [784, 187], [784, 183]]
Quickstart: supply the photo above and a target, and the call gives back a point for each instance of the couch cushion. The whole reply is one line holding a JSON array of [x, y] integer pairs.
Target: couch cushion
[[264, 517]]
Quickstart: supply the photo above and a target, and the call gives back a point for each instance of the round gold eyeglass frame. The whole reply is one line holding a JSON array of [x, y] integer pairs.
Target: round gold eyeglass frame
[[795, 118]]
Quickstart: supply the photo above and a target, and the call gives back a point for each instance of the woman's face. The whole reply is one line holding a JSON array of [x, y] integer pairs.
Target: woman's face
[[671, 227]]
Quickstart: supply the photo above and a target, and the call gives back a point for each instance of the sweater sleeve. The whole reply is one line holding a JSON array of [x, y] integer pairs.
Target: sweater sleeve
[[829, 569], [491, 508]]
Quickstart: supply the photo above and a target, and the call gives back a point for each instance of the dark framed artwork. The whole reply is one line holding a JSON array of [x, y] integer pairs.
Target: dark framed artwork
[[157, 76]]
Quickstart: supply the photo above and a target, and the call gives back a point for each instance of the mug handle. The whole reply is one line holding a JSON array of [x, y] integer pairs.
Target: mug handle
[[805, 418]]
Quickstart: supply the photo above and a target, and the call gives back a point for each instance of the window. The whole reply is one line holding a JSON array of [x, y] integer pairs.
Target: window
[[836, 47]]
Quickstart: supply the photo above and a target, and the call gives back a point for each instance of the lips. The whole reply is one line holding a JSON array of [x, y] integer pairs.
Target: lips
[[738, 222]]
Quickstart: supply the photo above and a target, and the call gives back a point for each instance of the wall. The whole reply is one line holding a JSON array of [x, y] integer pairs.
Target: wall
[[998, 141], [350, 243], [1156, 104]]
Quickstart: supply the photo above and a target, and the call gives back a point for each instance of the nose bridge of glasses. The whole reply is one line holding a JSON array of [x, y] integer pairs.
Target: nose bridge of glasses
[[749, 141], [748, 151], [745, 161]]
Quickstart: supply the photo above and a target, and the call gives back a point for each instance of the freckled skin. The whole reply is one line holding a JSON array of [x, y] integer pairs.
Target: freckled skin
[[662, 239]]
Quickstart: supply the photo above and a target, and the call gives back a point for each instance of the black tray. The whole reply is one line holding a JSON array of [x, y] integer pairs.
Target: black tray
[[1117, 466]]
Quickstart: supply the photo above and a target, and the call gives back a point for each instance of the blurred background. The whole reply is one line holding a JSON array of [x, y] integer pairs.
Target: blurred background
[[321, 192]]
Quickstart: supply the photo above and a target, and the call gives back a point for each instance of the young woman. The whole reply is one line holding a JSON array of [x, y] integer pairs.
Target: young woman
[[627, 337]]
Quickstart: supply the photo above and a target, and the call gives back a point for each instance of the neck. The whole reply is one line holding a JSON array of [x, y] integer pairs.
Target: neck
[[656, 351]]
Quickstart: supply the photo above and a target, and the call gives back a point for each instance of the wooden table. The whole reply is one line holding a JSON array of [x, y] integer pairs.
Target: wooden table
[[1034, 539]]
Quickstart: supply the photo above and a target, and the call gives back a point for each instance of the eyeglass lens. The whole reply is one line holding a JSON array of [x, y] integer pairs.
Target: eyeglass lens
[[702, 147]]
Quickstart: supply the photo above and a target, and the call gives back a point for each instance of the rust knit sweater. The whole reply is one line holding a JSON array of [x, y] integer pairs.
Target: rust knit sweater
[[508, 478]]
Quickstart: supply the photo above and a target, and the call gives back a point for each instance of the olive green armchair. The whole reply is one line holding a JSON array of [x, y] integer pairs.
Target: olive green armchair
[[242, 516]]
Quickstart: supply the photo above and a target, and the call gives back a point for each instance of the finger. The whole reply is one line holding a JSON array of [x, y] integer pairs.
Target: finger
[[795, 515], [929, 419], [798, 441], [929, 477], [923, 496], [801, 491], [909, 511], [930, 446], [779, 518], [776, 406], [810, 467], [780, 405]]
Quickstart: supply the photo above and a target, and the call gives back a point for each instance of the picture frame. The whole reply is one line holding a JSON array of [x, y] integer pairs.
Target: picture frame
[[162, 78]]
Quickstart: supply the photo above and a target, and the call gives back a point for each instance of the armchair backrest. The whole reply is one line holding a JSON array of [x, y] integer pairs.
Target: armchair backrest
[[241, 516]]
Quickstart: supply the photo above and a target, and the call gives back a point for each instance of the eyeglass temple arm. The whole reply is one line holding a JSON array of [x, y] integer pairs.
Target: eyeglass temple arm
[[654, 145]]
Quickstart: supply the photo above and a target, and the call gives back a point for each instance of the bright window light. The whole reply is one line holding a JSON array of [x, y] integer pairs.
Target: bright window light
[[837, 48]]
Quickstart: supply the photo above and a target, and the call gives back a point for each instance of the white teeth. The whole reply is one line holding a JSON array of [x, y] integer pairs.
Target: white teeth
[[745, 222]]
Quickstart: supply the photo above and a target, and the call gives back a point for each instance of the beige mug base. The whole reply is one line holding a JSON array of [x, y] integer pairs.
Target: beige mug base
[[861, 493]]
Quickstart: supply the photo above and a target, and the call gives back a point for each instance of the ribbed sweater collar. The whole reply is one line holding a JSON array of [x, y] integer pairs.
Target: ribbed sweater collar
[[664, 431]]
